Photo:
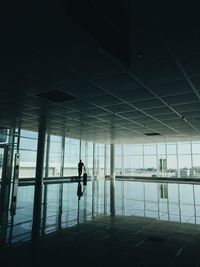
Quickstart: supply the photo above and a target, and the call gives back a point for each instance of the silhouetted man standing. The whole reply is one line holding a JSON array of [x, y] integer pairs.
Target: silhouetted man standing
[[80, 168]]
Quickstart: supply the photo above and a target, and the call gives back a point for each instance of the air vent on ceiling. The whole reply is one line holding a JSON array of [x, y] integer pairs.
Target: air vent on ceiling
[[152, 134], [56, 96]]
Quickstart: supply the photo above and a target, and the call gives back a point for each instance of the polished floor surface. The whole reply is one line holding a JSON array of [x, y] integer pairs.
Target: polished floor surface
[[147, 224], [107, 241]]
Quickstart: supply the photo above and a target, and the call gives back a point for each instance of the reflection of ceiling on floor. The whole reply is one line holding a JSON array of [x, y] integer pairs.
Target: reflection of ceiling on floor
[[101, 73]]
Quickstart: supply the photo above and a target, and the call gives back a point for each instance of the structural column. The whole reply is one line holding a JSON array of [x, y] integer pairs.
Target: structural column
[[112, 180], [5, 187], [93, 181], [39, 179], [94, 159], [122, 160], [62, 161], [105, 160]]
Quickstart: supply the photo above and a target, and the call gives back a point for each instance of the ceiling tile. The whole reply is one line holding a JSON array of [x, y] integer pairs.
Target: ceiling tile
[[135, 95], [147, 104], [192, 65], [119, 108], [57, 77], [119, 83], [86, 90], [171, 88], [161, 73], [104, 101], [181, 99], [187, 107]]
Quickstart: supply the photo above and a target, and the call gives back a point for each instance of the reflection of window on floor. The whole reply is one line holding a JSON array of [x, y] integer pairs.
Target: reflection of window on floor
[[164, 191]]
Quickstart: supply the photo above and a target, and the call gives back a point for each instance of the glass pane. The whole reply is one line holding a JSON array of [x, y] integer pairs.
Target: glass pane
[[138, 149], [128, 150], [28, 154], [196, 165], [185, 166], [29, 134], [171, 148], [118, 150], [99, 156], [72, 147], [55, 155], [149, 149], [83, 150], [118, 165], [133, 150], [161, 149], [28, 143], [27, 163], [172, 166], [184, 148], [150, 166], [195, 148], [133, 165], [89, 165]]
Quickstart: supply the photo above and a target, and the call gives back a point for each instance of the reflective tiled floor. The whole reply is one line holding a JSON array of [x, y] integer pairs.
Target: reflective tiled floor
[[148, 224]]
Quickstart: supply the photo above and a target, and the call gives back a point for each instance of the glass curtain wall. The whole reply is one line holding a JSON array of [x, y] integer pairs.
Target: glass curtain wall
[[180, 159], [74, 151]]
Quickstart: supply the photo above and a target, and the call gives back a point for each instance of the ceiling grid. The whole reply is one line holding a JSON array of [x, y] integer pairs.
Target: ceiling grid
[[91, 87]]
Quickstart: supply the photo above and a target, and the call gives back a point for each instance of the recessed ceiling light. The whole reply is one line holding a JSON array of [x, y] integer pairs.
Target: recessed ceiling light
[[139, 54], [101, 50]]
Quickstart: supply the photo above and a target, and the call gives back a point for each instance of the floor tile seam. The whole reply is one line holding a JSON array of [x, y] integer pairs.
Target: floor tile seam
[[178, 253]]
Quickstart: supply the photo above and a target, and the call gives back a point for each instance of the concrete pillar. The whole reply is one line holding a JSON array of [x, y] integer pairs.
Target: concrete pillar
[[44, 215], [122, 159], [94, 159], [39, 179], [112, 162], [105, 198], [60, 198], [112, 180], [5, 187], [105, 160]]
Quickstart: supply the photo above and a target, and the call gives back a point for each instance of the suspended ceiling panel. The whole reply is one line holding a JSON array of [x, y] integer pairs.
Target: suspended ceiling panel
[[132, 75]]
